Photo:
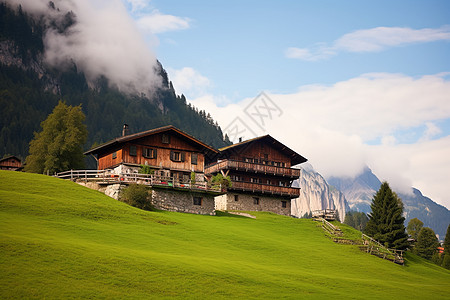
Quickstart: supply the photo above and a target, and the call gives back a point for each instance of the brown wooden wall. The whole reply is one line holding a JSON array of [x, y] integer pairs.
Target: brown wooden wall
[[257, 149], [163, 151], [11, 162], [106, 160]]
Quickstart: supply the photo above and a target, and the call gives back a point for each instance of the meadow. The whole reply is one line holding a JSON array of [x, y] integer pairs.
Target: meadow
[[61, 240]]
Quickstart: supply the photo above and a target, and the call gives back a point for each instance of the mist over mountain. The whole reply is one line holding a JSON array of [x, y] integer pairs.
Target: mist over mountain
[[33, 80], [360, 190]]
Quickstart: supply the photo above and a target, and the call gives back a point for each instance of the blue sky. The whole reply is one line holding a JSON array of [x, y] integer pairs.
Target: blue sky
[[240, 45], [345, 83], [357, 82]]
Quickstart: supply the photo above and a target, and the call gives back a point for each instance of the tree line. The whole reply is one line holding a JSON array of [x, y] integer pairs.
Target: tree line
[[385, 223]]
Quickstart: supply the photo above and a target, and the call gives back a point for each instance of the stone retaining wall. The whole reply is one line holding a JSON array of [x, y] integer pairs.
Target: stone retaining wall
[[248, 202], [179, 201]]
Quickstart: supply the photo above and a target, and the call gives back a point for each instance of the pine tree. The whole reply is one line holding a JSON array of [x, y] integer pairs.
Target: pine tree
[[427, 243], [386, 221], [58, 147], [446, 259]]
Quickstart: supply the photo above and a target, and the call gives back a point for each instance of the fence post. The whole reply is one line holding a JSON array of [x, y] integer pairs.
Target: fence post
[[71, 175]]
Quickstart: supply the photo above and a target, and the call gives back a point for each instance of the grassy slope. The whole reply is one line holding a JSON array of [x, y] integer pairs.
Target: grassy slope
[[61, 240]]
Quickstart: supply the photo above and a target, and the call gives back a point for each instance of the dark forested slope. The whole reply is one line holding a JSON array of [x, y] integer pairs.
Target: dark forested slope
[[29, 90]]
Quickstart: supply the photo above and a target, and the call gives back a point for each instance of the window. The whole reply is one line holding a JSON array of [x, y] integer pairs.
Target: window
[[194, 158], [133, 150], [236, 198], [149, 153], [177, 156], [197, 200], [283, 204], [114, 155], [165, 138], [256, 200]]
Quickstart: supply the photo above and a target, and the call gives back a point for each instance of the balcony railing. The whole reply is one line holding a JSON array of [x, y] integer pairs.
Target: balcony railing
[[106, 177], [251, 167], [290, 192]]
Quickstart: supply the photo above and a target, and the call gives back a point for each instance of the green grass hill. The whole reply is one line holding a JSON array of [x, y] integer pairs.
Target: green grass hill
[[60, 240]]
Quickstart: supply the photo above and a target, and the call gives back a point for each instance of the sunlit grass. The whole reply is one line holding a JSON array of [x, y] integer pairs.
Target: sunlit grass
[[61, 240]]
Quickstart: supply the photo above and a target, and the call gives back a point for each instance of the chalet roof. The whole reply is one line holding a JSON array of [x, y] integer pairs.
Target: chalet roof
[[9, 157], [131, 137], [294, 156]]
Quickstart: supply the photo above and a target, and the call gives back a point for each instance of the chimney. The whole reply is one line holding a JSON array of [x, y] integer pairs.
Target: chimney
[[125, 130], [240, 139]]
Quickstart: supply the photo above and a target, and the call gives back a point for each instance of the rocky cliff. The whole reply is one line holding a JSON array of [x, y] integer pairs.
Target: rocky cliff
[[316, 194]]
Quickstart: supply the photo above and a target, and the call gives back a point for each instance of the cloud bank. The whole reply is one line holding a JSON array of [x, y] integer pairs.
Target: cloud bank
[[105, 40], [344, 127], [370, 40]]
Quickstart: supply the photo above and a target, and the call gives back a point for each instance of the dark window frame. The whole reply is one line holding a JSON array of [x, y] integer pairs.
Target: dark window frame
[[165, 138], [197, 201], [149, 152], [284, 204], [177, 156], [194, 158], [256, 200], [133, 150]]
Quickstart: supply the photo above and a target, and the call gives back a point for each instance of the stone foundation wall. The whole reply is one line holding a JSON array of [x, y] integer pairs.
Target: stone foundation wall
[[111, 190], [182, 201], [248, 202]]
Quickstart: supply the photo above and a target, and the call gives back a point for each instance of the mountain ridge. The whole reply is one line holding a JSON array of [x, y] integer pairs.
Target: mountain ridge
[[360, 190]]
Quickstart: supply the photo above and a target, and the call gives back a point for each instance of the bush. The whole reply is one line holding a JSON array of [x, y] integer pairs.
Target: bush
[[146, 170], [137, 195], [220, 180]]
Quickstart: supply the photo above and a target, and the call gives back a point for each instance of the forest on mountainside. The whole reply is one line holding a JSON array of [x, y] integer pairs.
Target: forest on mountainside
[[29, 90]]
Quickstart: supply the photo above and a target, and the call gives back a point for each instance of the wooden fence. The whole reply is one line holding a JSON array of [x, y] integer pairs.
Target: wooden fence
[[104, 177], [374, 247], [327, 214]]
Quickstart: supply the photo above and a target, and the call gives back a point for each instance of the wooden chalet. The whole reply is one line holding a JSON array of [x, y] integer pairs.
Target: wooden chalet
[[177, 160], [11, 163], [167, 150], [261, 174]]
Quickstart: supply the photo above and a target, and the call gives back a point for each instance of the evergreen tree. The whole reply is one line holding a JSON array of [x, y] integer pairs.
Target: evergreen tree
[[386, 219], [414, 227], [58, 147], [357, 220], [446, 259], [427, 243]]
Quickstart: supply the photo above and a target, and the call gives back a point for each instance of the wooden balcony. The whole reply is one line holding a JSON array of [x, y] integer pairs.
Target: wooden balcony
[[264, 189], [104, 177], [229, 164]]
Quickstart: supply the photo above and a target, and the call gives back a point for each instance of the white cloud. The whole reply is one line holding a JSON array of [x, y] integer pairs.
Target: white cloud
[[159, 23], [189, 82], [333, 125], [137, 5], [104, 41], [370, 40], [431, 131]]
